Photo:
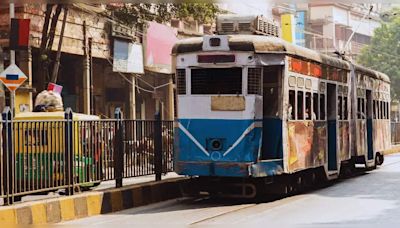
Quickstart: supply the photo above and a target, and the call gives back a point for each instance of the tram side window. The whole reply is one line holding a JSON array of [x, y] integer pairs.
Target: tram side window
[[315, 106], [254, 81], [181, 81], [381, 110], [300, 105], [308, 113], [378, 104], [292, 105], [361, 108], [322, 110], [340, 109], [374, 109], [364, 116], [345, 109], [385, 112]]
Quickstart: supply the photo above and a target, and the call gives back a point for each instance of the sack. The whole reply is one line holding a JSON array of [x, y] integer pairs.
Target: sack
[[48, 101]]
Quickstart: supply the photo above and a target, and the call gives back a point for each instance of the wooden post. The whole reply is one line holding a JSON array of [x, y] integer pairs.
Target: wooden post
[[86, 72], [57, 63]]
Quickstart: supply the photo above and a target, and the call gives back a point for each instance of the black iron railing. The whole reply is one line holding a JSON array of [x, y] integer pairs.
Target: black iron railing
[[39, 156]]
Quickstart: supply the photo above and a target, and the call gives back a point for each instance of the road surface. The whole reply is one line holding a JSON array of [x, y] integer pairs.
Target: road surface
[[370, 199]]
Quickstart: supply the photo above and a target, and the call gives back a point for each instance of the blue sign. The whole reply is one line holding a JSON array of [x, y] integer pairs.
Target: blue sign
[[12, 76], [300, 27]]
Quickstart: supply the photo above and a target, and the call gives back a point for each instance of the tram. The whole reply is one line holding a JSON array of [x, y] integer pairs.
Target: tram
[[254, 110]]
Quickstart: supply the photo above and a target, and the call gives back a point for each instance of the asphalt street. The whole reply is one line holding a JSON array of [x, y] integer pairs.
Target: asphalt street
[[370, 199]]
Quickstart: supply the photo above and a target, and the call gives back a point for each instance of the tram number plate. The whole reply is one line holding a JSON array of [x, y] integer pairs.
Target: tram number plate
[[228, 103]]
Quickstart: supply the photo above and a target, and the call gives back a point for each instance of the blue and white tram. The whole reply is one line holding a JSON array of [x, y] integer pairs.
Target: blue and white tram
[[252, 108]]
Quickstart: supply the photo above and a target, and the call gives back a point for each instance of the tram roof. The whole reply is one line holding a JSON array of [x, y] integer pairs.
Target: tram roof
[[269, 44], [373, 73]]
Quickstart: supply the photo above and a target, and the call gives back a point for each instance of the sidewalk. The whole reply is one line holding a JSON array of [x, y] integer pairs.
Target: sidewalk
[[394, 149], [104, 199]]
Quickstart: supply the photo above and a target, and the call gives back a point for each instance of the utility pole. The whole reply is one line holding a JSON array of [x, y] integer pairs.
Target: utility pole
[[12, 61]]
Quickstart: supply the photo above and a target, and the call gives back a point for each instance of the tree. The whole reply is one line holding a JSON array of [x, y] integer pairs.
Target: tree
[[383, 54], [135, 14]]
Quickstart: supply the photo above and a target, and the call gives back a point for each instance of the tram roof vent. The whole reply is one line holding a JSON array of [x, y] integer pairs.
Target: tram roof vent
[[240, 24]]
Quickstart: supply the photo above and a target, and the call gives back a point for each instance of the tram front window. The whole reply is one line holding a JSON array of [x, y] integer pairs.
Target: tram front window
[[217, 81]]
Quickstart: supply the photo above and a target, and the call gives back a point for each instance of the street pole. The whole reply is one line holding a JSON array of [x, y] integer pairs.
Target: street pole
[[12, 61]]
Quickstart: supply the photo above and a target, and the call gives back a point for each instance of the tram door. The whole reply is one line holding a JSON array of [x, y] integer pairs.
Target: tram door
[[332, 114], [369, 125], [272, 124]]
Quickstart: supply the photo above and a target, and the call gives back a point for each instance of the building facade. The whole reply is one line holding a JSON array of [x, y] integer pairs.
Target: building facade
[[326, 27], [90, 83], [85, 72]]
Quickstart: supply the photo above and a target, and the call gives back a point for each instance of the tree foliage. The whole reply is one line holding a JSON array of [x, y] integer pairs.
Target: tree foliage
[[383, 54], [136, 13]]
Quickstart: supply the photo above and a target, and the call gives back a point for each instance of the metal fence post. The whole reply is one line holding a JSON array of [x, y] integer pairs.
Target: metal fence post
[[119, 148], [8, 157], [69, 151], [158, 152]]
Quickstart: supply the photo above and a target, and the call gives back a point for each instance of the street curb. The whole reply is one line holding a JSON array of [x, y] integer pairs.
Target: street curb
[[83, 205]]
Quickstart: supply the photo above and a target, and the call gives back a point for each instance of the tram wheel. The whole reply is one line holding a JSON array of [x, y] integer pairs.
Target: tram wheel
[[379, 159]]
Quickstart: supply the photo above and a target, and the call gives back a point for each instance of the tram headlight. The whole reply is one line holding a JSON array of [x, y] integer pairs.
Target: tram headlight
[[216, 144]]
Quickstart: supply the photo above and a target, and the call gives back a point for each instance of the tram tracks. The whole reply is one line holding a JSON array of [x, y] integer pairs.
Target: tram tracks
[[247, 208]]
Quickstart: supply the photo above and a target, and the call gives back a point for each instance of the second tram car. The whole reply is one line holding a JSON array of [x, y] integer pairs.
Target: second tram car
[[253, 110]]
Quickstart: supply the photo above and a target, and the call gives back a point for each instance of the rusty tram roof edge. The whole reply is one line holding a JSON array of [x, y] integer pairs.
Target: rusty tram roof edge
[[274, 45]]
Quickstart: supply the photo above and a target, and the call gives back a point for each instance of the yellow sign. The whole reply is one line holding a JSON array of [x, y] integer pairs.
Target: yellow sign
[[288, 27]]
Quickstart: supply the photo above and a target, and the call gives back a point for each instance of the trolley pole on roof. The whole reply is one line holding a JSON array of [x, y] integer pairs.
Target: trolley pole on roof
[[12, 61]]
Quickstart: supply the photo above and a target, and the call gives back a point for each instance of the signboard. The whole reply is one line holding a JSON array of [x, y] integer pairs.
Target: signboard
[[19, 36], [54, 87], [159, 47], [128, 57], [300, 27], [12, 77]]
